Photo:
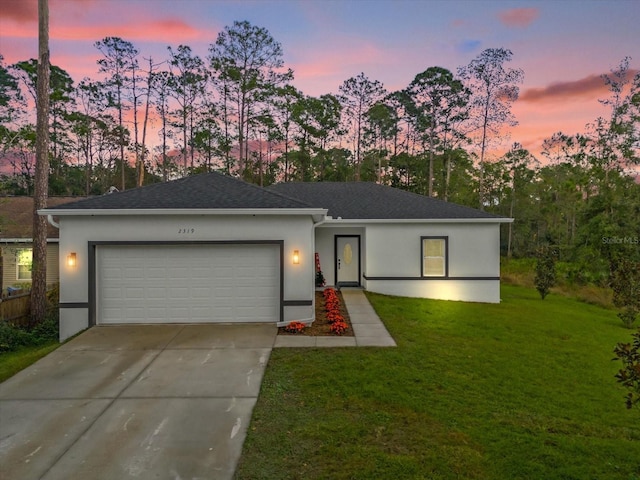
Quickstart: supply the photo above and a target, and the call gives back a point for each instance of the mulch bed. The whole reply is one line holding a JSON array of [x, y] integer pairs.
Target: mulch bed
[[320, 328]]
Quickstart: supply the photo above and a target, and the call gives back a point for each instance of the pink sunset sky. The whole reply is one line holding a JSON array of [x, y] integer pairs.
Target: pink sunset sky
[[563, 46]]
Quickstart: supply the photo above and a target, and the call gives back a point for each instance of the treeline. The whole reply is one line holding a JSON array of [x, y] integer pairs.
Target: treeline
[[237, 111]]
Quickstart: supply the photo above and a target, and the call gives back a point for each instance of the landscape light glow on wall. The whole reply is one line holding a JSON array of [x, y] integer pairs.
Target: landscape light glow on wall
[[296, 257], [71, 259]]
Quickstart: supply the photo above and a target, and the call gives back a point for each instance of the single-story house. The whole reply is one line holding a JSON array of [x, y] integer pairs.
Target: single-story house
[[16, 242], [212, 248]]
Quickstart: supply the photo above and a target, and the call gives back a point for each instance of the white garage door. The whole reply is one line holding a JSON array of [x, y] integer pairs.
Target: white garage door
[[187, 283]]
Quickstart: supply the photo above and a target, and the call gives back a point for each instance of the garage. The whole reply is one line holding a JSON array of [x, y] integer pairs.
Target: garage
[[187, 283]]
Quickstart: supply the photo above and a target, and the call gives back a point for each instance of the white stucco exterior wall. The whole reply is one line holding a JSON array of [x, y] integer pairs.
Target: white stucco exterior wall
[[296, 231], [393, 249], [487, 291], [325, 246]]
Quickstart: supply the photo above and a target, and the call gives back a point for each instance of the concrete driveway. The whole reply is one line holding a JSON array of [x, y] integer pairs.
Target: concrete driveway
[[165, 401]]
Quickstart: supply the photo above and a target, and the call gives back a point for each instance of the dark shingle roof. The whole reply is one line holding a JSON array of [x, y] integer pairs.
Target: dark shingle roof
[[349, 200], [205, 191], [364, 200]]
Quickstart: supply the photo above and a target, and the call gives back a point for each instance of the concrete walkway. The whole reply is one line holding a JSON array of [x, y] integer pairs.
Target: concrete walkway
[[119, 402], [368, 329]]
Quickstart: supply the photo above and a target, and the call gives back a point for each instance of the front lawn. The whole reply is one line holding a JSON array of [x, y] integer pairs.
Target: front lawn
[[12, 362], [520, 390], [21, 346]]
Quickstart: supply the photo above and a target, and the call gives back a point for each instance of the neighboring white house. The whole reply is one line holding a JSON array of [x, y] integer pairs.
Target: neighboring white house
[[211, 248]]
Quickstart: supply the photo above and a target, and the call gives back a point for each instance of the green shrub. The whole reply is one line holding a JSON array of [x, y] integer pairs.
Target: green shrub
[[46, 330], [518, 271], [13, 337], [53, 294], [625, 281], [545, 271], [629, 375], [575, 273]]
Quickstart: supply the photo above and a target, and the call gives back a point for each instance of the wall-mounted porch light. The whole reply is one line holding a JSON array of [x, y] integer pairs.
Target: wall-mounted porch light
[[296, 257], [71, 260]]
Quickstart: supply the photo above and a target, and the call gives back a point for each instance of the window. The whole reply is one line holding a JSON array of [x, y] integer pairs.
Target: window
[[24, 263], [434, 257]]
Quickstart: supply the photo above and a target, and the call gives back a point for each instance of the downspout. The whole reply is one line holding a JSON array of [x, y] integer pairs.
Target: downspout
[[52, 222]]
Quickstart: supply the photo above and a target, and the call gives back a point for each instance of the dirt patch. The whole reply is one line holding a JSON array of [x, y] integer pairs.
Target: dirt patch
[[320, 328]]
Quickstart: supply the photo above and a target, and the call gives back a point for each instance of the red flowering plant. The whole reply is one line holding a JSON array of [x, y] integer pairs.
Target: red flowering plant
[[338, 327], [331, 299], [330, 293], [295, 327], [332, 306]]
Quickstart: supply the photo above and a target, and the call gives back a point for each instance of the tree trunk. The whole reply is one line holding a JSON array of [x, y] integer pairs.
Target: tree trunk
[[260, 165], [184, 137], [448, 177], [511, 209], [286, 155], [134, 95], [193, 149], [481, 189], [121, 124], [240, 134], [141, 166], [227, 142], [358, 134], [165, 173], [431, 155], [39, 271]]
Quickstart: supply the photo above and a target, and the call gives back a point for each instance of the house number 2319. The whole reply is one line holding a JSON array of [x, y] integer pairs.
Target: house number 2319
[[186, 230]]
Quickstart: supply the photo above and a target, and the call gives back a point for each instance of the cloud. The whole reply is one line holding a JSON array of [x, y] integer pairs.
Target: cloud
[[468, 46], [20, 11], [518, 17], [158, 30], [590, 87], [26, 11], [587, 86]]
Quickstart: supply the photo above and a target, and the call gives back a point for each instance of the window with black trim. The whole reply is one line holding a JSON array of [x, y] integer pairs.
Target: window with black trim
[[434, 256]]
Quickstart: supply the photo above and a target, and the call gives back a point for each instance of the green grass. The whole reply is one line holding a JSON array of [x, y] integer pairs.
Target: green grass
[[522, 272], [12, 362], [520, 390]]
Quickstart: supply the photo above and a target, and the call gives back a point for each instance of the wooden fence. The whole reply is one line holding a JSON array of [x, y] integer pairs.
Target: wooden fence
[[15, 309]]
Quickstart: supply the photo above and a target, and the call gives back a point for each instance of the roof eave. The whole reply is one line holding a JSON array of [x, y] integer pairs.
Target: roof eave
[[26, 240], [343, 221], [181, 211]]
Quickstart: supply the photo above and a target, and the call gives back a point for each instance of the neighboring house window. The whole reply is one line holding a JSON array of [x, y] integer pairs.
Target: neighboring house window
[[434, 257], [24, 263]]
